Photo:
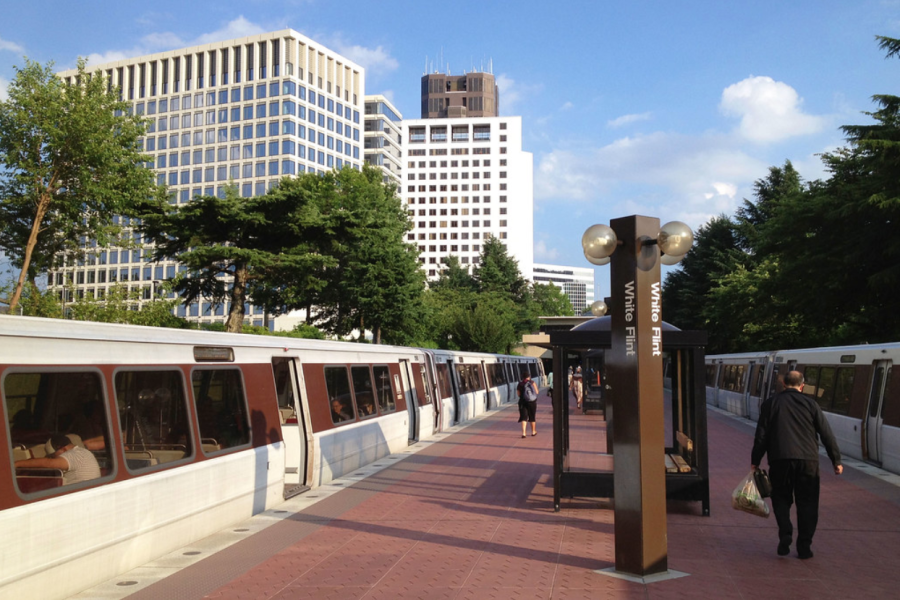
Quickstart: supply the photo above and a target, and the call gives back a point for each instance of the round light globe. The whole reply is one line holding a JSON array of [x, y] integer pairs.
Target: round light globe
[[598, 241], [668, 259], [675, 238], [598, 261], [599, 308]]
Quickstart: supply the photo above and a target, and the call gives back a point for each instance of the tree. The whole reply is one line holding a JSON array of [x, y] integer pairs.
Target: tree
[[377, 283], [551, 301], [123, 306], [231, 244], [685, 294], [71, 160]]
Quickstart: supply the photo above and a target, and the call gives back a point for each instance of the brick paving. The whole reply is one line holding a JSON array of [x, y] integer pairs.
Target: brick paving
[[470, 517]]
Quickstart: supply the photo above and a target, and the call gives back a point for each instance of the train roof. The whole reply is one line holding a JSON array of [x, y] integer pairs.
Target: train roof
[[36, 327]]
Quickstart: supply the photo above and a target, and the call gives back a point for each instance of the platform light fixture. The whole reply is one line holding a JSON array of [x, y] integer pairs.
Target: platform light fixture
[[600, 241]]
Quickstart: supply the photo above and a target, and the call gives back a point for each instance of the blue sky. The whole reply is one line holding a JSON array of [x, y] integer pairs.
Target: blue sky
[[666, 109]]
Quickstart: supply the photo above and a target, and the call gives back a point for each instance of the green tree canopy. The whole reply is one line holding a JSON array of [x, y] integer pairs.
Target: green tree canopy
[[231, 244], [70, 159]]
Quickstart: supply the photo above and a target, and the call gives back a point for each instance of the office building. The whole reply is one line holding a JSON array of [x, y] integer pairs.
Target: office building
[[383, 137], [465, 180], [246, 111], [576, 282]]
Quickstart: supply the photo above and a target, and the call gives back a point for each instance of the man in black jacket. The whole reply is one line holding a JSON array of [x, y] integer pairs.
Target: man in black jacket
[[789, 423]]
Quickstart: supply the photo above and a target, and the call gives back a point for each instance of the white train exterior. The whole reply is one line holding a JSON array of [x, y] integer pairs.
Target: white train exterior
[[196, 431], [855, 386]]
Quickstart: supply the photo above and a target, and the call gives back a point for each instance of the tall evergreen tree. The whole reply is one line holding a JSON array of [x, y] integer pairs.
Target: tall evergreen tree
[[71, 160]]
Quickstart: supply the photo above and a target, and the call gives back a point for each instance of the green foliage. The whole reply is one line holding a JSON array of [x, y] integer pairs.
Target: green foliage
[[804, 264], [376, 283], [70, 159], [551, 301], [35, 302], [123, 306]]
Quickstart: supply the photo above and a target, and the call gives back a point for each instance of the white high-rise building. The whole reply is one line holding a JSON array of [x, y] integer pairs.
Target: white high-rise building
[[383, 137], [465, 180], [576, 282], [249, 111]]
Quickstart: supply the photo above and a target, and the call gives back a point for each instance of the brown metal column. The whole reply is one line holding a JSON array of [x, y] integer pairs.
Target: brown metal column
[[558, 410], [636, 381]]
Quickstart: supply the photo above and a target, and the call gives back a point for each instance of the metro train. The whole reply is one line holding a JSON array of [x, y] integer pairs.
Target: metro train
[[855, 386], [195, 431]]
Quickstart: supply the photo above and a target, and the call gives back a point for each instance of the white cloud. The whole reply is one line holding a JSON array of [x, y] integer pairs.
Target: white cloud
[[543, 253], [628, 119], [513, 92], [3, 85], [567, 106], [11, 46], [671, 175], [769, 110], [239, 27], [165, 40]]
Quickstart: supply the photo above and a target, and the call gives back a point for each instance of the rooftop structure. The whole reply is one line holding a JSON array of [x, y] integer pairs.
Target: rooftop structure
[[459, 96]]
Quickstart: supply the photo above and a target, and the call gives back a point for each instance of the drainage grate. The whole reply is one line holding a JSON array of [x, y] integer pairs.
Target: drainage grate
[[192, 553]]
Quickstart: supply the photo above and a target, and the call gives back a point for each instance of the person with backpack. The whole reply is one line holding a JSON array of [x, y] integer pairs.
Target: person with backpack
[[528, 395]]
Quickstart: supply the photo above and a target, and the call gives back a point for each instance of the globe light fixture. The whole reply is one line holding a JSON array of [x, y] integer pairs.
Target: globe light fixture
[[599, 242], [599, 308], [675, 238], [669, 260], [598, 261]]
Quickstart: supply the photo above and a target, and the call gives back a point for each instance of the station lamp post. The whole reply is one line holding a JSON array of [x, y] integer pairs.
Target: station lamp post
[[634, 247]]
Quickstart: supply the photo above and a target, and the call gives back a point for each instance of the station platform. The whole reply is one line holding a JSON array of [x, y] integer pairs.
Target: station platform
[[469, 515]]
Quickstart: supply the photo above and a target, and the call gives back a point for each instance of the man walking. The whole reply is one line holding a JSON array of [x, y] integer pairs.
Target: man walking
[[789, 423]]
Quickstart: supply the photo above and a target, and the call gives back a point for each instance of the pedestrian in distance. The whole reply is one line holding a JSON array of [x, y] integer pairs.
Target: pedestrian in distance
[[550, 386], [790, 424], [577, 386], [528, 395]]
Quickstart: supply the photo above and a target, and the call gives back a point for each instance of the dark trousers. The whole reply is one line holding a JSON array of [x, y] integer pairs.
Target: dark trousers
[[795, 480]]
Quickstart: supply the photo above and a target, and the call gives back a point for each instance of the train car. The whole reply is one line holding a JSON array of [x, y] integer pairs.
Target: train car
[[738, 382], [175, 435], [468, 384], [855, 386]]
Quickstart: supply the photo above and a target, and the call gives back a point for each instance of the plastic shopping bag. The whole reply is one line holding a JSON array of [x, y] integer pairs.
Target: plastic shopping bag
[[746, 498]]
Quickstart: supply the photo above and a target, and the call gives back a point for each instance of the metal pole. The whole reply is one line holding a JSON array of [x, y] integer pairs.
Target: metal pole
[[635, 374]]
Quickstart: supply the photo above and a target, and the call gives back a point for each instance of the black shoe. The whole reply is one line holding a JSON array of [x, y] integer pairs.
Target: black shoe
[[804, 554], [784, 549]]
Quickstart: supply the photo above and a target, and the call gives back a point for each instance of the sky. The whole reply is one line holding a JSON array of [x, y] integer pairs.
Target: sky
[[657, 108]]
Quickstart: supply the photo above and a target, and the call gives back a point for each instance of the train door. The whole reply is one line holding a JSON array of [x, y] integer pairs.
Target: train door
[[454, 388], [412, 403], [748, 387], [487, 387], [294, 422], [880, 377]]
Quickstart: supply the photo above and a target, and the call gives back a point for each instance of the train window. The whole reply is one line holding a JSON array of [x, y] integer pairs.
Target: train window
[[40, 405], [363, 391], [221, 408], [443, 379], [843, 388], [811, 382], [825, 389], [154, 418], [734, 378], [385, 393], [338, 385], [710, 375], [281, 370]]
